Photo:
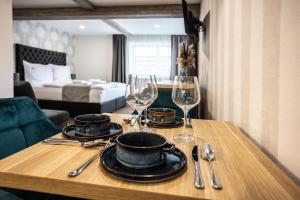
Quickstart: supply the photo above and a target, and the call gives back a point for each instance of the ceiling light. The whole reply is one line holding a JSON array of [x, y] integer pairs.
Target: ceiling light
[[81, 26], [156, 26]]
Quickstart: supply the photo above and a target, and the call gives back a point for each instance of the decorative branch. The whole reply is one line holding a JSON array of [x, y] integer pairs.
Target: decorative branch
[[186, 59]]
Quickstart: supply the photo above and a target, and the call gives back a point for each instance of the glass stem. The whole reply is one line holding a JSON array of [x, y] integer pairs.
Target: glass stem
[[185, 112], [140, 119], [145, 117]]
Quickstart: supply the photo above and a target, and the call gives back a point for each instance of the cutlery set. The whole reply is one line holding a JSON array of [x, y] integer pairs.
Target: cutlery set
[[208, 155]]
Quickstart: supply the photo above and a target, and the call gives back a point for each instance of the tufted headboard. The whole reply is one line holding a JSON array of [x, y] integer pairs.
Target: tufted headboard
[[36, 55]]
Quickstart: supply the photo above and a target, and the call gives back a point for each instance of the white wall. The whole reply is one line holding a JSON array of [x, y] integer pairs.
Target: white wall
[[6, 49], [253, 75], [93, 57]]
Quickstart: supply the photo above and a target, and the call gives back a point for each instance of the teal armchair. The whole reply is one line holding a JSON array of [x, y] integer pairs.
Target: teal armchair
[[22, 124]]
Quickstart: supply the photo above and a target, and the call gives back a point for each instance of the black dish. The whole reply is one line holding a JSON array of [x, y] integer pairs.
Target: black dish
[[91, 124], [174, 165], [178, 123], [98, 119], [161, 115], [69, 132], [142, 150]]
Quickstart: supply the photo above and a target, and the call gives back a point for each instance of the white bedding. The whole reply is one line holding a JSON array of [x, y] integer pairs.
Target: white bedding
[[100, 92]]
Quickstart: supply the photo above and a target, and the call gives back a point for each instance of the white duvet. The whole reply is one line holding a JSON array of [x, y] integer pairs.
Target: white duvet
[[101, 91], [94, 85]]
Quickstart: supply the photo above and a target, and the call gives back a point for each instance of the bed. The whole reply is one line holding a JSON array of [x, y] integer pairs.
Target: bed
[[105, 99]]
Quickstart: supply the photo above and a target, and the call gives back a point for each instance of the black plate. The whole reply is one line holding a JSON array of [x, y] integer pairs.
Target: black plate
[[178, 123], [174, 166], [81, 131], [115, 129]]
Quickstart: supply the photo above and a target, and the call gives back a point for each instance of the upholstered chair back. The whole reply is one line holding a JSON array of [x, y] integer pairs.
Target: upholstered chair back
[[22, 124]]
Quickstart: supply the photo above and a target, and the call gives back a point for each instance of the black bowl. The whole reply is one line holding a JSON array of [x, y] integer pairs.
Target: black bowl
[[162, 115], [91, 124], [141, 150]]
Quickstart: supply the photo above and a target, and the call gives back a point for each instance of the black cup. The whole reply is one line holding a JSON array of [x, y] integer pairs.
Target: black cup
[[91, 124], [142, 150]]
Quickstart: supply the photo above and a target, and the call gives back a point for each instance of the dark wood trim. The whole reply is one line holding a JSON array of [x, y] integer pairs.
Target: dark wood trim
[[85, 4], [104, 12]]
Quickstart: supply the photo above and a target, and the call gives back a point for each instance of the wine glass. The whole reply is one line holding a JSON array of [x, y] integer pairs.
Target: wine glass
[[185, 95], [139, 94], [154, 84]]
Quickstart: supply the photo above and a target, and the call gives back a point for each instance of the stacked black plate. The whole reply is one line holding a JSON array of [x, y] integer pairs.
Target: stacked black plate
[[177, 123], [92, 126], [112, 159]]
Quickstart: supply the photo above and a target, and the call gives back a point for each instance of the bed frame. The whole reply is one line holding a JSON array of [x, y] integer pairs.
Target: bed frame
[[37, 55]]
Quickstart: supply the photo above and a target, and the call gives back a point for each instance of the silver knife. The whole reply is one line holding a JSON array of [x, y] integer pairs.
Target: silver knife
[[59, 141], [198, 181]]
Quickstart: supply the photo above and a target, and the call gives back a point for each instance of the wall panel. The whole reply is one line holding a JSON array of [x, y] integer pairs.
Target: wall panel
[[253, 73]]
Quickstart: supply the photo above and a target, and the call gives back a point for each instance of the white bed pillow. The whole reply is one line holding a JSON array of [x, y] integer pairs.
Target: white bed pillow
[[37, 74], [61, 74]]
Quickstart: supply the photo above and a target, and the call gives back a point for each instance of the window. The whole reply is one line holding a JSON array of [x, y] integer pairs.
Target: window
[[150, 55]]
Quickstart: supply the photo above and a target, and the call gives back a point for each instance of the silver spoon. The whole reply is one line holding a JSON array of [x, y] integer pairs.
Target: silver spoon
[[79, 169], [209, 155]]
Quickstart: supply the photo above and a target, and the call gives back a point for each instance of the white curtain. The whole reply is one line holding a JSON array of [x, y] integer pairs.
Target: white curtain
[[149, 54]]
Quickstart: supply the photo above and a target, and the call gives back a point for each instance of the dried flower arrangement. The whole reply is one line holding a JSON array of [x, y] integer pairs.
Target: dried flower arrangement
[[186, 59]]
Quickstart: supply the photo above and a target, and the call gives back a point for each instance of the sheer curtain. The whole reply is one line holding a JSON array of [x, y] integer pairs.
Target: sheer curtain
[[149, 54]]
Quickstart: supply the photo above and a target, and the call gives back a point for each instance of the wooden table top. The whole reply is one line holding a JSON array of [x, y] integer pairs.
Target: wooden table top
[[167, 84], [245, 172]]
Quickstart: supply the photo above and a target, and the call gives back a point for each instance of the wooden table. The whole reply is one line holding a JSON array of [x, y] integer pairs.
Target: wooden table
[[166, 84], [245, 172]]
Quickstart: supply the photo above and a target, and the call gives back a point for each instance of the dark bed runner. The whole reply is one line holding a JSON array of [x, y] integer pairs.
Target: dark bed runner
[[76, 93]]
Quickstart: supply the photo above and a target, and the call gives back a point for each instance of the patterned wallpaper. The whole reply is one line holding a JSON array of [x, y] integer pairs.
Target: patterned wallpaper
[[36, 34]]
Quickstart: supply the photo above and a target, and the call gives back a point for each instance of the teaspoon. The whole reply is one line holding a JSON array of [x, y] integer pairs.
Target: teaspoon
[[79, 169]]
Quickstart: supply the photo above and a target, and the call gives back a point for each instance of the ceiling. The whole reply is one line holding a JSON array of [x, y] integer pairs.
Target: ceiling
[[71, 3], [163, 26], [91, 27], [155, 26]]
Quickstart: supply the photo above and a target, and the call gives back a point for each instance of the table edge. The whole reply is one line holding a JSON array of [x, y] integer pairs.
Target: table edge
[[280, 176], [27, 182]]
